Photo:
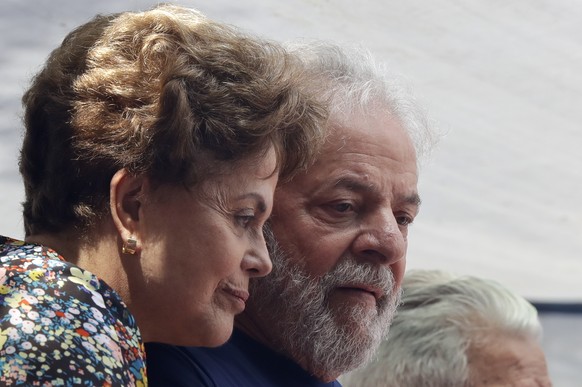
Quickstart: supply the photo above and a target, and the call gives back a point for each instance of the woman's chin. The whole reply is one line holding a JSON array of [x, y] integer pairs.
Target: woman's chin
[[216, 338]]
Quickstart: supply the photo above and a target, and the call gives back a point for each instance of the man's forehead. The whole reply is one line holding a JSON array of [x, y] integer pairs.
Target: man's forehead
[[378, 129], [367, 155]]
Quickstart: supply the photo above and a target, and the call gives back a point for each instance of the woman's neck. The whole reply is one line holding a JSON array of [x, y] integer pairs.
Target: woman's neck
[[99, 254], [65, 244]]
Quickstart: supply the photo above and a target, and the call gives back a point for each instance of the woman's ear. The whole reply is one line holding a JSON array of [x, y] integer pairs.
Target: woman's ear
[[125, 201]]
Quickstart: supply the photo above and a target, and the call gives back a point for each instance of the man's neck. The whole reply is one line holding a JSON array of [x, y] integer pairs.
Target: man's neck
[[247, 324]]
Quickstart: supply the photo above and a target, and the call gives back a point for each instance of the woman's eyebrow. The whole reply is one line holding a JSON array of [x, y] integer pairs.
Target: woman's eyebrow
[[257, 197]]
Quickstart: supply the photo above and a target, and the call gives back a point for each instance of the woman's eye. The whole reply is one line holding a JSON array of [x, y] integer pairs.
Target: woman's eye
[[244, 219]]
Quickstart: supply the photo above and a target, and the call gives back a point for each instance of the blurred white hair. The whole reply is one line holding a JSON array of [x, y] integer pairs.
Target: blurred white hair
[[440, 317]]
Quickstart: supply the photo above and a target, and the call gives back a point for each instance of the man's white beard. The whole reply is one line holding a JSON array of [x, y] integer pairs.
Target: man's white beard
[[293, 311]]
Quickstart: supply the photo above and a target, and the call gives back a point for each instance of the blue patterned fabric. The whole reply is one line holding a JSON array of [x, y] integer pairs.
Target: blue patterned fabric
[[61, 325]]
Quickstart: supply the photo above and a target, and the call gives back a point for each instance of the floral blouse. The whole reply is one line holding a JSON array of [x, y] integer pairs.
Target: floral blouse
[[61, 325]]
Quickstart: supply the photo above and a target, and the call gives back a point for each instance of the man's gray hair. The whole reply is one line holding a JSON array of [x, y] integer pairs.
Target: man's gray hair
[[351, 80], [440, 317]]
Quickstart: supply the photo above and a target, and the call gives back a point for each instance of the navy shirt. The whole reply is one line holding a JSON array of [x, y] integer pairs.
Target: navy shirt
[[240, 362]]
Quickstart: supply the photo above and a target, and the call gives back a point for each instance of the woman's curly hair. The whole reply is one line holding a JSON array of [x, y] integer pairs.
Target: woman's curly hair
[[166, 93]]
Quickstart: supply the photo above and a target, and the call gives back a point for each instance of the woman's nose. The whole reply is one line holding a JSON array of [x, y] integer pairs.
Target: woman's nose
[[257, 261]]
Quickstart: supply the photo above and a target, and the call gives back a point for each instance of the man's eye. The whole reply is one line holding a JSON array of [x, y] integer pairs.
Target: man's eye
[[404, 220], [342, 207]]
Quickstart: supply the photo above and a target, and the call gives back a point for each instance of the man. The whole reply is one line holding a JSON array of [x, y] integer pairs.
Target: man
[[338, 240], [458, 331]]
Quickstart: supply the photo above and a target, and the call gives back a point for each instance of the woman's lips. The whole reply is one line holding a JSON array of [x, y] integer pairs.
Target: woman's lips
[[240, 293], [239, 297]]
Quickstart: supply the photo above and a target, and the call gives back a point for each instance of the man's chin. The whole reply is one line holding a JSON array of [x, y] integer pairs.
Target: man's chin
[[355, 322], [353, 299], [355, 340], [358, 312]]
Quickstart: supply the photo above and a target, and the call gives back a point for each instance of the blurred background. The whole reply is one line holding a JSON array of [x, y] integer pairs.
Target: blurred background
[[501, 193]]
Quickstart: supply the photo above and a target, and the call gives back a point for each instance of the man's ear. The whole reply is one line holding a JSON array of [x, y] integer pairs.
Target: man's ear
[[125, 200]]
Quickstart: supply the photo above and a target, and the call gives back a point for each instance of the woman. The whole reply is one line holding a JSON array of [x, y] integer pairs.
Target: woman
[[153, 145]]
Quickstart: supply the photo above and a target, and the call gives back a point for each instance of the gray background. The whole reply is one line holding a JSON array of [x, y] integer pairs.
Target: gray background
[[501, 194]]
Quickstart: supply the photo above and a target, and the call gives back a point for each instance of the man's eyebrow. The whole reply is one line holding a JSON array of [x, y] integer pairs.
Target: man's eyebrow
[[356, 185], [413, 199]]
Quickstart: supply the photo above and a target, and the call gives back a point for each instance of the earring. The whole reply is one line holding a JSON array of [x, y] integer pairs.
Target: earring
[[129, 246]]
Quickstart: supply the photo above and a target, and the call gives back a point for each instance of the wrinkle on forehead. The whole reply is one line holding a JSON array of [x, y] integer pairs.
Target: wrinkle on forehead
[[365, 130], [507, 360]]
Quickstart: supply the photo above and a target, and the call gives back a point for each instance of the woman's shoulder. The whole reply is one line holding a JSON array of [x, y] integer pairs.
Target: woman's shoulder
[[33, 268], [39, 270], [62, 321], [29, 265]]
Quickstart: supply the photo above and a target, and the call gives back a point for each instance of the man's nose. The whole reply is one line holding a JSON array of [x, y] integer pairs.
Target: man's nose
[[380, 239]]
